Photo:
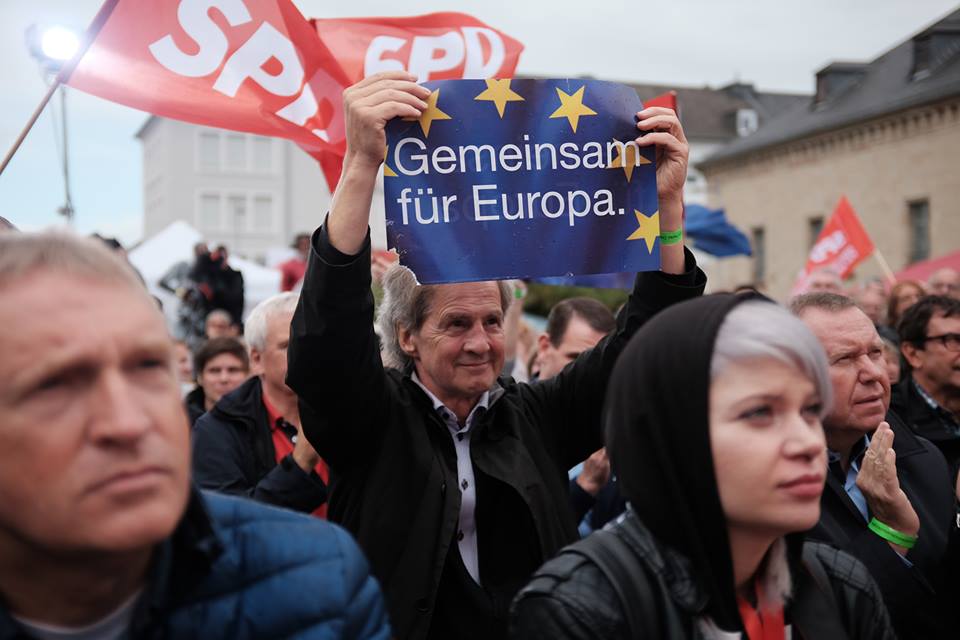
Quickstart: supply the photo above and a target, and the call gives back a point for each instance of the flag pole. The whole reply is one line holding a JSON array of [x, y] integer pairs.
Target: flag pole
[[91, 33], [887, 271], [36, 114]]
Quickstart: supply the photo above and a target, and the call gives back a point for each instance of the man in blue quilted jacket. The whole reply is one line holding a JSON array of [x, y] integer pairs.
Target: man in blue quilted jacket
[[101, 534]]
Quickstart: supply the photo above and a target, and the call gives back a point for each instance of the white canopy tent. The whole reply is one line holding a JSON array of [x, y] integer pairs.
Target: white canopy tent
[[155, 256]]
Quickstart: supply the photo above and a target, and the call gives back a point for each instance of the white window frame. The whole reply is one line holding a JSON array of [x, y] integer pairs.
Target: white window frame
[[248, 167], [225, 222]]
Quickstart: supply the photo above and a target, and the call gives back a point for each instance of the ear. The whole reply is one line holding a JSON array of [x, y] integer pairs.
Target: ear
[[256, 360], [911, 354], [543, 343], [405, 338]]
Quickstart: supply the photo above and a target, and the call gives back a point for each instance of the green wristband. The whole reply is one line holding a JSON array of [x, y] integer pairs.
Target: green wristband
[[671, 237], [890, 534]]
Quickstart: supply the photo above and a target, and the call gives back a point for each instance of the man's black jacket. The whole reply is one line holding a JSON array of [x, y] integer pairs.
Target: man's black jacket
[[233, 453], [397, 488], [916, 595], [924, 421]]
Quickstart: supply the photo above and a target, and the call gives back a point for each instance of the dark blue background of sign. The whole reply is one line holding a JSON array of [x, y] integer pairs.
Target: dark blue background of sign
[[465, 249]]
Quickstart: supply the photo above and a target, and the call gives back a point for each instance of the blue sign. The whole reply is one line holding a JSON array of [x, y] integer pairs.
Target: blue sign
[[521, 178]]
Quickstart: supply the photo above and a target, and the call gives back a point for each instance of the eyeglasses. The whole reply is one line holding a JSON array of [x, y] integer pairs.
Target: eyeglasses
[[951, 341]]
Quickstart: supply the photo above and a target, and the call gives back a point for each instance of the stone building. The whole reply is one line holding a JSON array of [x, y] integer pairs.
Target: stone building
[[886, 134]]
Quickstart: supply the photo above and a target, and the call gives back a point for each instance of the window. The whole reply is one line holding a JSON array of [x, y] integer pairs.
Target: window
[[237, 212], [262, 213], [747, 122], [236, 154], [262, 154], [209, 217], [919, 212], [759, 255], [209, 151], [814, 227]]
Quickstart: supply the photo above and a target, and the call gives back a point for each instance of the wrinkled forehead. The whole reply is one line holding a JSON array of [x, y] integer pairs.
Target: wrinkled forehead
[[51, 307]]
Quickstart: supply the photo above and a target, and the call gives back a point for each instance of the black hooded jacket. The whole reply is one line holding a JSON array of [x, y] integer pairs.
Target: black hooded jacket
[[657, 428]]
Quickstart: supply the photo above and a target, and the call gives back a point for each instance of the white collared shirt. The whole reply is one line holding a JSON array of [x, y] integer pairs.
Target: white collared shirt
[[467, 524]]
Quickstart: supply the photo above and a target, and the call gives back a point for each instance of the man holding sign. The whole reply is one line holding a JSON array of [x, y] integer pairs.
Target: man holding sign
[[452, 480]]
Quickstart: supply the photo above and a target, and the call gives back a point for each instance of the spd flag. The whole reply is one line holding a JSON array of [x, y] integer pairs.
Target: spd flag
[[843, 243], [253, 66], [436, 46]]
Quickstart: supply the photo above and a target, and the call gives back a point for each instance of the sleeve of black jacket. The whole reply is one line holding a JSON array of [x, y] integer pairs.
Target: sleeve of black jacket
[[568, 406], [333, 358], [223, 462]]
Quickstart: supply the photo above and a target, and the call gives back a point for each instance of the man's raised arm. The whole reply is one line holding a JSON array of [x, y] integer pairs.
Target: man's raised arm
[[334, 358], [368, 106]]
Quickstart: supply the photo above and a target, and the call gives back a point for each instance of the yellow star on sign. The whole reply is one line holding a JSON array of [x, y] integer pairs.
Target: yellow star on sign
[[572, 107], [387, 171], [499, 93], [432, 113], [633, 159], [648, 230]]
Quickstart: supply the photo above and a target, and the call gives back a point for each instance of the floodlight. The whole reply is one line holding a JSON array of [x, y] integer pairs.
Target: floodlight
[[59, 43]]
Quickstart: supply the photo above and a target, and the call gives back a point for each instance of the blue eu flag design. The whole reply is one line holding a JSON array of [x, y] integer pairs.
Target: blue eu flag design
[[521, 178]]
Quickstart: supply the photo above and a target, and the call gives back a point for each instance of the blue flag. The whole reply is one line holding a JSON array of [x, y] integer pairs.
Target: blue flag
[[713, 234], [521, 178]]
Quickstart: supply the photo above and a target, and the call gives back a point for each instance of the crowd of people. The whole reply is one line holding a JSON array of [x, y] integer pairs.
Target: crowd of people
[[692, 466]]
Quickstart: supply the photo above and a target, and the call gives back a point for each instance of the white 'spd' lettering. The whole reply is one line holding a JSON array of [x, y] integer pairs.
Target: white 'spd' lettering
[[246, 63], [436, 54]]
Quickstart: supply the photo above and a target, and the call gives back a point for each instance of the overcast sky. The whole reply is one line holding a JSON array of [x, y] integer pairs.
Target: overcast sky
[[774, 45]]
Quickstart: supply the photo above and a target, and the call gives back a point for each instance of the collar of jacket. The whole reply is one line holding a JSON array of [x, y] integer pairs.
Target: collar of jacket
[[196, 398], [179, 562], [243, 404], [501, 386]]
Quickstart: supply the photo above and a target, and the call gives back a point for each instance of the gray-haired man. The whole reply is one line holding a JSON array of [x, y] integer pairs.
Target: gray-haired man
[[251, 442]]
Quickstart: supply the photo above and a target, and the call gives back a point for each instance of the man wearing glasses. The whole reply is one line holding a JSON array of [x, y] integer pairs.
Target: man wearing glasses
[[929, 398]]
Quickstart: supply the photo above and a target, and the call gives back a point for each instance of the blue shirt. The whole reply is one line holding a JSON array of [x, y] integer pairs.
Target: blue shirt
[[850, 481]]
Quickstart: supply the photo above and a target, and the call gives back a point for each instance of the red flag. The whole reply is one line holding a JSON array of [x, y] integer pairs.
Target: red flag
[[257, 67], [436, 46], [668, 100], [843, 243]]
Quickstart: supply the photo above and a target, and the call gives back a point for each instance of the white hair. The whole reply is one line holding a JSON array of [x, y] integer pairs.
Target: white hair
[[255, 329], [758, 329]]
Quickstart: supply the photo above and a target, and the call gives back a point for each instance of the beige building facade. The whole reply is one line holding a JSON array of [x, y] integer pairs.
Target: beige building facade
[[885, 134], [888, 169]]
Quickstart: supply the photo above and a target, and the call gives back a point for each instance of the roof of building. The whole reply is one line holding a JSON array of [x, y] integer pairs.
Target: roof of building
[[142, 131], [893, 82], [709, 113]]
